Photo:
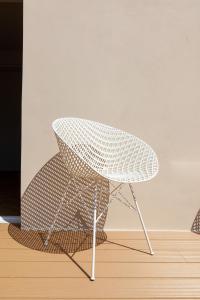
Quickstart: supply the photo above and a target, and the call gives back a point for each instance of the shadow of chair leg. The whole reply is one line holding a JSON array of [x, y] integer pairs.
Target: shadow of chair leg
[[76, 263], [80, 244], [127, 247], [72, 259], [88, 236], [124, 246]]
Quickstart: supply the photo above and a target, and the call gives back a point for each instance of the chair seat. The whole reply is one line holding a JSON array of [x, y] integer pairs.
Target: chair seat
[[135, 176], [110, 152]]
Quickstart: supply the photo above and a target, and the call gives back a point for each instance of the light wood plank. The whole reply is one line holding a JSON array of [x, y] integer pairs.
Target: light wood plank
[[45, 298], [107, 270], [169, 245], [113, 244], [12, 255], [102, 288]]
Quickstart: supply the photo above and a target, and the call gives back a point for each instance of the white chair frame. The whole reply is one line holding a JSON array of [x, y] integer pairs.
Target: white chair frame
[[97, 175]]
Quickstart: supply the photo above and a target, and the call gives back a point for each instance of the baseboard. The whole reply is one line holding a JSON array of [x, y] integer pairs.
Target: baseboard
[[149, 230], [10, 219]]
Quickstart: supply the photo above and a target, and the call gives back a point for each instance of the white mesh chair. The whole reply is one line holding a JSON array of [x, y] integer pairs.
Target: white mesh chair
[[100, 151]]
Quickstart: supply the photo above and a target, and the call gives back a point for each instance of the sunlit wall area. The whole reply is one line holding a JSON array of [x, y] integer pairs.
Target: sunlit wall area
[[131, 64]]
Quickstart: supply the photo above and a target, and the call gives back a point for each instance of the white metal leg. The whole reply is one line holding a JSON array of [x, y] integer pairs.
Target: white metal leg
[[56, 215], [94, 235], [141, 220]]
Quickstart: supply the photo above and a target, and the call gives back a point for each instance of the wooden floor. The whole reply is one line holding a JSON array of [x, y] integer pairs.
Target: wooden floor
[[121, 272]]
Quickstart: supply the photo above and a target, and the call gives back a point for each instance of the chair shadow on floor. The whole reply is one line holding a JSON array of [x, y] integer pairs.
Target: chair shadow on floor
[[196, 224], [73, 228], [61, 242]]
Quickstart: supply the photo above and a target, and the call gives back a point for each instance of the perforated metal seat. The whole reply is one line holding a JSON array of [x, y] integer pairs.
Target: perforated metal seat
[[113, 153]]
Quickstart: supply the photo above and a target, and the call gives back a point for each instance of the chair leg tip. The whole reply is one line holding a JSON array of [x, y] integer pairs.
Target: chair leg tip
[[92, 278], [152, 253]]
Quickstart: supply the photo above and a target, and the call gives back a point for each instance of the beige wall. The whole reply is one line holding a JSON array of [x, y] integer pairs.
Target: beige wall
[[132, 64]]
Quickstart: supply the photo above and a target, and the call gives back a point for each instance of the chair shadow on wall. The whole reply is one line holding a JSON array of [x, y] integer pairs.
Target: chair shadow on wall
[[196, 224], [73, 228]]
